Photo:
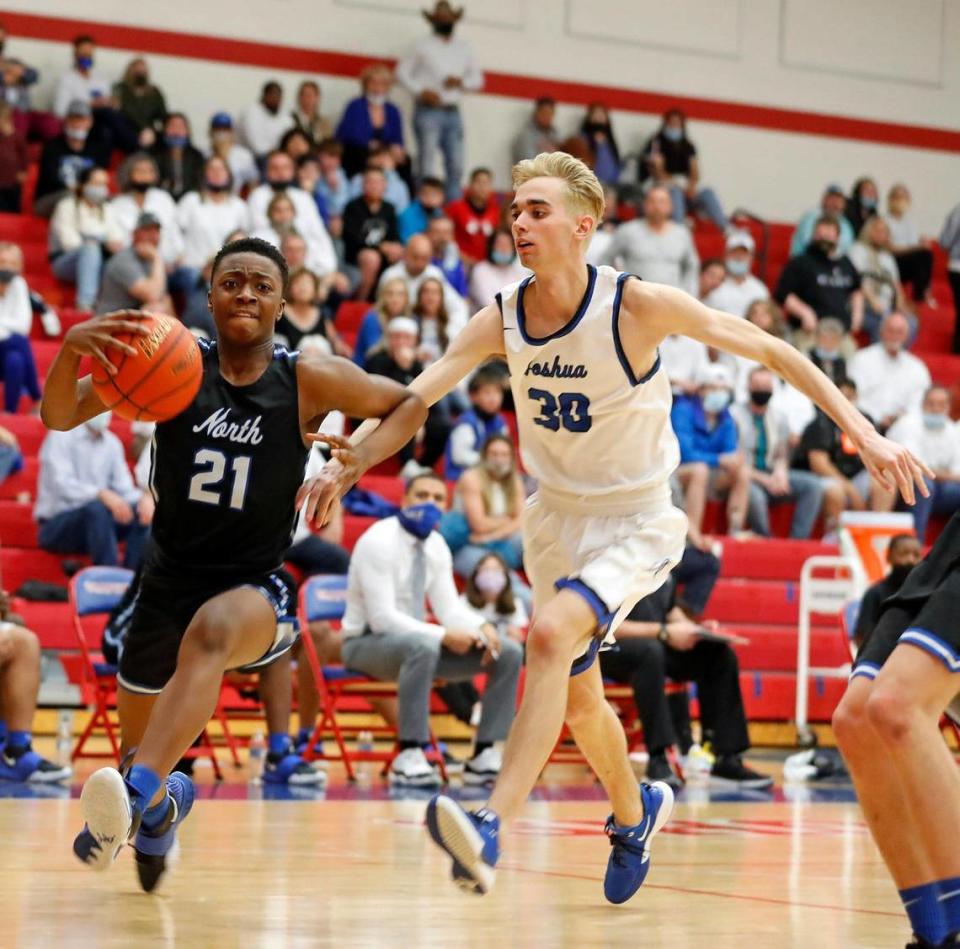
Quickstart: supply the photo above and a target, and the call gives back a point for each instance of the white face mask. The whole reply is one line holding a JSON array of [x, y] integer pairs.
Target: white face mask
[[99, 423], [377, 100], [491, 581]]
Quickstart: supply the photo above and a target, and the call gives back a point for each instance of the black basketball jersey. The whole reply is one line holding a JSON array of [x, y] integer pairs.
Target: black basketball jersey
[[225, 472]]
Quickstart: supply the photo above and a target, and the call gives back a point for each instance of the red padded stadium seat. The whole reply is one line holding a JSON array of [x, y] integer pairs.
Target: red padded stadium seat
[[754, 601], [24, 480], [769, 559], [771, 696], [22, 227], [17, 526], [386, 486], [21, 565], [773, 648], [52, 622], [353, 527]]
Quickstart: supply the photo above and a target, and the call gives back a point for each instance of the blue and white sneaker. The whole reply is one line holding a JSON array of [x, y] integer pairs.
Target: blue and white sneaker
[[25, 766], [292, 770], [630, 860], [157, 849], [109, 819], [471, 840]]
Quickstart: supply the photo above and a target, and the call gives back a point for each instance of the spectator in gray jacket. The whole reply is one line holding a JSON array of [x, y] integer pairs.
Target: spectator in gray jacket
[[539, 134], [764, 441]]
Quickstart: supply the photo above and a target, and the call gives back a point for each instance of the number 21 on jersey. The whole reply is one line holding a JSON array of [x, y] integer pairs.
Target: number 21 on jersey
[[206, 484], [569, 409]]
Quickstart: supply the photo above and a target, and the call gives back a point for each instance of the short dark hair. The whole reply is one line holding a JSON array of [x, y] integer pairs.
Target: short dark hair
[[253, 245], [430, 182], [483, 377], [330, 146], [271, 86], [544, 100], [847, 383], [480, 171], [826, 219], [82, 38], [309, 84], [712, 262], [896, 541], [426, 473]]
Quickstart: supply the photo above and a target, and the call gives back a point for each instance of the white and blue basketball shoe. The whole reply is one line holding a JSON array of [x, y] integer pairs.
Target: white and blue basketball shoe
[[470, 839]]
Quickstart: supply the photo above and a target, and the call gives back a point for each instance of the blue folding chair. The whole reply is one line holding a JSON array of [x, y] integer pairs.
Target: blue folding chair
[[324, 598]]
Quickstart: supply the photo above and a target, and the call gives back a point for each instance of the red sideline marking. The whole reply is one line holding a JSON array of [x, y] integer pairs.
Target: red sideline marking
[[330, 62], [718, 893]]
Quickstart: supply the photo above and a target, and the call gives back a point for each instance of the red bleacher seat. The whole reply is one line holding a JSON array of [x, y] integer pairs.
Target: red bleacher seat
[[21, 565], [17, 526], [52, 622], [30, 431], [24, 480]]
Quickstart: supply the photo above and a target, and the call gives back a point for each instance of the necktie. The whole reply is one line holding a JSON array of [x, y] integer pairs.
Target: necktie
[[418, 580]]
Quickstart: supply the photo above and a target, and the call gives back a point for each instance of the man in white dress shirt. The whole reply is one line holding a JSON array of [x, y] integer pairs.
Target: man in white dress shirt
[[80, 81], [263, 123], [396, 564], [437, 72], [890, 381]]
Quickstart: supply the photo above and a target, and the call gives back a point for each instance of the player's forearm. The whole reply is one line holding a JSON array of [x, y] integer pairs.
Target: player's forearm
[[61, 392], [394, 431]]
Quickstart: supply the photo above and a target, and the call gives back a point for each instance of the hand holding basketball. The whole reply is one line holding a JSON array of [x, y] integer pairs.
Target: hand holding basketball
[[96, 336]]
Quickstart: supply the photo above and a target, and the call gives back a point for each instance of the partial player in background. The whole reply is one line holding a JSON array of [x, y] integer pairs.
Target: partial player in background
[[227, 475]]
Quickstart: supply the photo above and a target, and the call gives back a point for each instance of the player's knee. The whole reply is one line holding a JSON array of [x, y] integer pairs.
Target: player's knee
[[698, 473], [850, 723], [548, 642], [889, 715], [209, 636]]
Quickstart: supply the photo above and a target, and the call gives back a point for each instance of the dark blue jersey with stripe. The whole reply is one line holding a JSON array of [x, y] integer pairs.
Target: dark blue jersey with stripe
[[225, 472]]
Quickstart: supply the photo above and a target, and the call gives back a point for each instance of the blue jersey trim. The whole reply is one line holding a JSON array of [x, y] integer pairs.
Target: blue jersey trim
[[932, 644], [585, 661], [618, 344], [570, 325]]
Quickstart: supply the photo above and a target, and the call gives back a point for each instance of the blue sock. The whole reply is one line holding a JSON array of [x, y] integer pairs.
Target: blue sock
[[278, 743], [152, 816], [144, 783], [18, 740], [303, 736], [925, 912], [948, 896], [3, 731]]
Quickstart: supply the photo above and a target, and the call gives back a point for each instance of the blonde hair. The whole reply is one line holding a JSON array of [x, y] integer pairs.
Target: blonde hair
[[584, 191]]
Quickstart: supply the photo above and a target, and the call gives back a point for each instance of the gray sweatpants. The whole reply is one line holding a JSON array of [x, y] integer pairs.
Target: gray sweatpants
[[414, 660]]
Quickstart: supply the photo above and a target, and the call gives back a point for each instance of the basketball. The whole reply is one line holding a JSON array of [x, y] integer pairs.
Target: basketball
[[160, 381]]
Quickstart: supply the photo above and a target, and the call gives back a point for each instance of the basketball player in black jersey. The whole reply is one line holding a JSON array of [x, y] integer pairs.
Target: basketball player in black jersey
[[227, 474], [887, 726]]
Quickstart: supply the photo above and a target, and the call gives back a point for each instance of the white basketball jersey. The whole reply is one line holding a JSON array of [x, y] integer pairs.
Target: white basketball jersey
[[589, 428]]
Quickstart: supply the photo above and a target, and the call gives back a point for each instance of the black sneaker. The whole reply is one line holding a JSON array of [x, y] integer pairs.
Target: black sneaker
[[658, 769], [730, 771]]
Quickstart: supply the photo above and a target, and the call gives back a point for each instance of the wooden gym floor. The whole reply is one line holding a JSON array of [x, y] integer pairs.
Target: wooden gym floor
[[352, 866]]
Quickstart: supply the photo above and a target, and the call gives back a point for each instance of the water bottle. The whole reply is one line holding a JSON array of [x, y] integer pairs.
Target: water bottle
[[365, 741], [64, 736], [258, 750]]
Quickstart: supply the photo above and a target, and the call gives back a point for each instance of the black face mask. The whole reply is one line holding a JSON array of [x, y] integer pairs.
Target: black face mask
[[141, 187], [139, 79], [7, 275], [215, 188], [898, 574], [592, 128], [1, 46], [443, 29], [824, 247], [483, 414], [280, 184], [760, 398]]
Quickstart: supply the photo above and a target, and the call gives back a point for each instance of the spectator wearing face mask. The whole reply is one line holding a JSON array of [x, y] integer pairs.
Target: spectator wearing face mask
[[17, 368], [489, 592], [224, 144], [912, 253], [711, 461], [140, 102], [904, 552], [179, 161], [879, 277], [264, 122], [740, 287], [765, 442], [826, 355], [427, 205], [890, 381], [445, 253], [500, 268], [832, 205], [439, 70], [862, 203], [669, 158], [307, 117], [84, 228], [77, 148], [371, 119], [397, 193], [933, 438], [477, 424], [81, 82], [596, 131]]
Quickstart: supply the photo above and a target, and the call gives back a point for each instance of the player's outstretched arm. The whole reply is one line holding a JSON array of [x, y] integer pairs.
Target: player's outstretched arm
[[68, 401], [659, 310], [328, 383], [480, 339]]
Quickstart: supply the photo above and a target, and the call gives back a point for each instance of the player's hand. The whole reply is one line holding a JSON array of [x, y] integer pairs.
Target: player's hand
[[896, 468], [459, 641], [95, 336], [317, 496]]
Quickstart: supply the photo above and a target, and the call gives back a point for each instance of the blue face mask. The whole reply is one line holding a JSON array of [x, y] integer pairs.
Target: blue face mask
[[715, 401], [826, 355], [85, 62], [673, 133], [175, 141], [869, 203], [420, 519], [739, 268], [501, 257], [934, 421]]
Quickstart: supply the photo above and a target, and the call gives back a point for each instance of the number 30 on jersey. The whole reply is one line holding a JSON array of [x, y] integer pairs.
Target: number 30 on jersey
[[569, 409]]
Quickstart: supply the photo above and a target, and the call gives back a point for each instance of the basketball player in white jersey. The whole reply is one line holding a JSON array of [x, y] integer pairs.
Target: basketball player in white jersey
[[593, 409]]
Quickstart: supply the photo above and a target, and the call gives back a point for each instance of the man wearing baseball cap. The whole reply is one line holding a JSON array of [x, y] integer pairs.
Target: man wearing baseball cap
[[740, 287], [832, 204], [136, 277], [239, 158]]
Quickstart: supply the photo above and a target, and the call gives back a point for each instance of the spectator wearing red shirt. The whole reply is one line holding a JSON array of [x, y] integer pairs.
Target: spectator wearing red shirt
[[475, 216]]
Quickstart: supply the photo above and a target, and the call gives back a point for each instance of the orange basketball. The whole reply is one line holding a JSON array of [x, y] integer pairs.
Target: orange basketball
[[160, 381]]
